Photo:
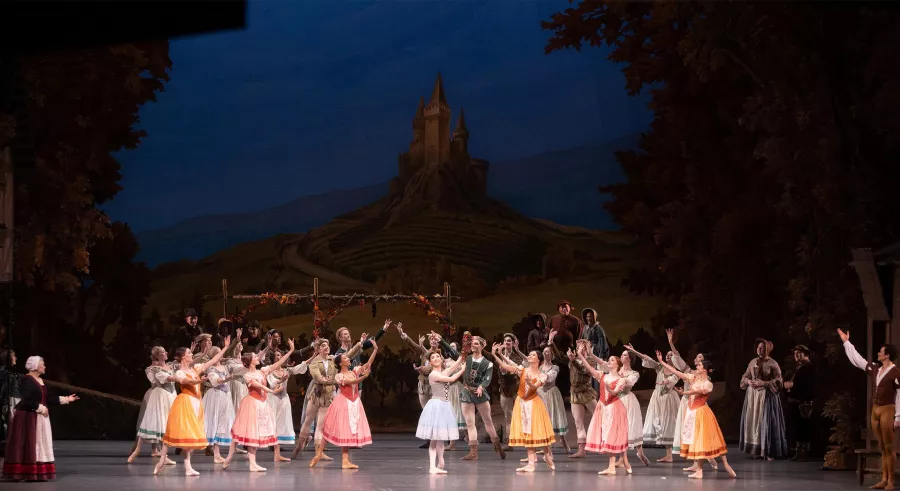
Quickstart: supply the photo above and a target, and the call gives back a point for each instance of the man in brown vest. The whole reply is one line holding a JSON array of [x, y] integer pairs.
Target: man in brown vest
[[885, 381]]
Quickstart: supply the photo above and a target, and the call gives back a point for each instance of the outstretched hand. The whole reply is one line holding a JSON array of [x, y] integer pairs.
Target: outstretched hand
[[670, 333], [845, 336], [659, 355], [387, 324]]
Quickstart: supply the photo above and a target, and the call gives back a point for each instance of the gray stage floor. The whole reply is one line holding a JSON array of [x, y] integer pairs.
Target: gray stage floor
[[394, 463]]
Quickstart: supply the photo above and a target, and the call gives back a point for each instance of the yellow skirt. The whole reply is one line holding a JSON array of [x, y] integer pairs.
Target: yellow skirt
[[701, 436], [184, 428], [541, 434]]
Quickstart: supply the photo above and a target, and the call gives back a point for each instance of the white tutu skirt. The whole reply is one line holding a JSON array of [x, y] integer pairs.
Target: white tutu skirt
[[153, 423], [218, 417], [635, 421], [438, 422]]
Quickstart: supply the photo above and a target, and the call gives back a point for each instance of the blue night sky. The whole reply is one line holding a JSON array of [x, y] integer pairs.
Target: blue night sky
[[317, 95]]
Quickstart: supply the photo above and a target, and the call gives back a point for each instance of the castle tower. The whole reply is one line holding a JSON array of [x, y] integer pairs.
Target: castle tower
[[417, 146], [437, 126], [461, 135]]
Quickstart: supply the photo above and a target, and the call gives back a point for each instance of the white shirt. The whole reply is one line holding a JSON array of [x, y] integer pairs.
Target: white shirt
[[859, 362]]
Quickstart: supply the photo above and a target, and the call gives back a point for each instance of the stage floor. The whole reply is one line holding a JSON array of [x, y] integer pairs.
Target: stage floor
[[395, 463]]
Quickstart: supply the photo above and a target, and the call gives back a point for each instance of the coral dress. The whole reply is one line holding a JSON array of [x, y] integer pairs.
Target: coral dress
[[701, 437], [608, 431], [530, 426], [254, 425], [185, 428], [345, 423]]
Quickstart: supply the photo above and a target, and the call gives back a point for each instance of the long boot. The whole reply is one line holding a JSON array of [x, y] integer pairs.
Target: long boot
[[315, 460], [301, 444], [580, 453], [473, 452], [499, 449]]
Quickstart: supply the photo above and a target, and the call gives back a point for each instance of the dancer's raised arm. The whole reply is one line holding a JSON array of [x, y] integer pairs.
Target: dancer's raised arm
[[284, 358]]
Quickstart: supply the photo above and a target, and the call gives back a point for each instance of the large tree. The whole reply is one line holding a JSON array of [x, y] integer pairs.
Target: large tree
[[76, 108], [772, 152]]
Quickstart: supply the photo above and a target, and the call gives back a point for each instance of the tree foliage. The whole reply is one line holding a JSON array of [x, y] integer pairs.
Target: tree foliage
[[75, 269], [772, 152]]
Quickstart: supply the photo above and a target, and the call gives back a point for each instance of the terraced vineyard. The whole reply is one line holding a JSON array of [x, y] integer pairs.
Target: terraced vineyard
[[485, 245]]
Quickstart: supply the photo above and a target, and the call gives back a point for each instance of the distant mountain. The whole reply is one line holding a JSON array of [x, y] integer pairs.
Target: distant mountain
[[560, 186]]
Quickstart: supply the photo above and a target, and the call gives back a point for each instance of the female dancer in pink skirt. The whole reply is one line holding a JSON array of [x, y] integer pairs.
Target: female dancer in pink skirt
[[608, 431], [254, 425], [345, 423]]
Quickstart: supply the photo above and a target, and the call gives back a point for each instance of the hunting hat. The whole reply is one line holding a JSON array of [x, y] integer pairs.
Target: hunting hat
[[801, 348], [563, 302], [190, 313], [202, 337]]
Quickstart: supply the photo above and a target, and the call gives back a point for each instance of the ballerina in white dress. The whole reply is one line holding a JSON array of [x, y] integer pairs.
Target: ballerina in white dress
[[659, 425], [437, 422]]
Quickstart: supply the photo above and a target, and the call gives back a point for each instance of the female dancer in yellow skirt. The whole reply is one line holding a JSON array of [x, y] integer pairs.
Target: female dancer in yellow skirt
[[184, 428], [701, 437], [530, 425]]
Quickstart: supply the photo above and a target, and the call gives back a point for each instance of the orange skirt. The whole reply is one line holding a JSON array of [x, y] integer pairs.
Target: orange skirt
[[184, 428], [701, 437], [541, 434]]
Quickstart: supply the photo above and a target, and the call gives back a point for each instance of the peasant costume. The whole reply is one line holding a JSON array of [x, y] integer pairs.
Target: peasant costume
[[345, 423], [685, 402], [437, 421], [701, 437], [218, 408], [29, 443], [659, 425], [762, 418], [184, 427], [281, 403], [152, 422], [608, 431], [632, 409], [254, 425], [530, 424], [550, 394], [453, 395]]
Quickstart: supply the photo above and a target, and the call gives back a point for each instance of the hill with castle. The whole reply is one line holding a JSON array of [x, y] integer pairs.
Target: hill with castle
[[435, 223]]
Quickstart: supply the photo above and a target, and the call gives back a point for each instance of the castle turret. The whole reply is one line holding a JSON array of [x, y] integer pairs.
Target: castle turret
[[437, 126], [417, 146], [461, 135]]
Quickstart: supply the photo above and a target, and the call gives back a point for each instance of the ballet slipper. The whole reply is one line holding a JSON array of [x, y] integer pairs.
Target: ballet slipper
[[527, 468], [628, 468], [730, 472], [696, 475], [549, 460], [611, 471], [189, 471], [157, 468], [714, 465], [257, 468], [436, 470]]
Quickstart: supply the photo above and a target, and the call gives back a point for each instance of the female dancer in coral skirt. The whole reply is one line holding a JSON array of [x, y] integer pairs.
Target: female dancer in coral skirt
[[530, 425], [701, 437], [254, 424], [608, 431], [438, 422], [345, 423], [184, 428]]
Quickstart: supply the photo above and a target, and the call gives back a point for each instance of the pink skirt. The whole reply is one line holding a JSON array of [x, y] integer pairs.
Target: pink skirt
[[254, 425], [608, 431], [346, 424]]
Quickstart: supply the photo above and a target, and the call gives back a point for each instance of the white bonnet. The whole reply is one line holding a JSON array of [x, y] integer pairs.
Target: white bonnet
[[32, 363]]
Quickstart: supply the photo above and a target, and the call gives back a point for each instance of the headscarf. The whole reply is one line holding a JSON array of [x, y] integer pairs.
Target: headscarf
[[32, 363]]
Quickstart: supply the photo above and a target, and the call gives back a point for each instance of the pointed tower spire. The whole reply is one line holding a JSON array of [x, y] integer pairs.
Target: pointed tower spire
[[438, 94], [461, 123]]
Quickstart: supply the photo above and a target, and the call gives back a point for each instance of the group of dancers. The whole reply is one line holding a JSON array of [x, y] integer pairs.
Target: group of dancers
[[233, 395]]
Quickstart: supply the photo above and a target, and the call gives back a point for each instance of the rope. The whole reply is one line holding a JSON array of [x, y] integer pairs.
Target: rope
[[82, 390]]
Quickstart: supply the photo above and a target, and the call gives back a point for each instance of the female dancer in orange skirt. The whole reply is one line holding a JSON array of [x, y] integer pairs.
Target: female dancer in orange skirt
[[701, 437], [530, 425], [608, 431], [254, 424], [345, 422], [184, 428]]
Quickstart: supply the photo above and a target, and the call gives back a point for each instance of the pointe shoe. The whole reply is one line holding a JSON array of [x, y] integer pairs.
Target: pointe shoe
[[191, 472], [317, 457], [643, 459], [730, 472], [628, 468], [608, 472], [714, 465], [157, 469], [548, 459], [225, 464], [346, 464], [218, 460], [325, 456], [527, 468], [436, 470], [131, 458], [257, 468], [282, 459], [696, 475], [169, 461]]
